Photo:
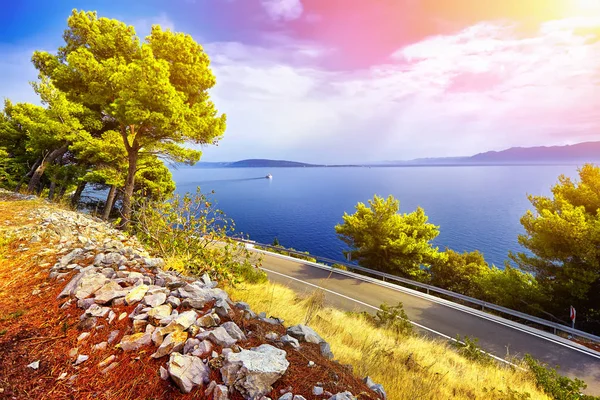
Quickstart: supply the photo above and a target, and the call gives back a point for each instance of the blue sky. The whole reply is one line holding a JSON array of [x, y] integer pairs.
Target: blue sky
[[336, 81]]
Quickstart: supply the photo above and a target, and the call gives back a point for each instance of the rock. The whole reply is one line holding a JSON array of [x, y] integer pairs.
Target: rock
[[110, 291], [69, 258], [97, 311], [311, 364], [157, 337], [211, 387], [252, 372], [287, 396], [207, 321], [112, 337], [317, 390], [111, 316], [83, 336], [155, 300], [205, 347], [87, 324], [81, 359], [173, 342], [100, 346], [304, 334], [187, 371], [139, 326], [326, 350], [136, 294], [85, 303], [89, 284], [135, 341], [220, 336], [173, 301], [159, 312], [234, 330], [273, 336], [292, 341], [298, 397], [221, 393], [186, 319], [110, 368], [376, 387], [107, 361], [122, 316], [342, 396], [34, 365], [164, 374], [190, 345]]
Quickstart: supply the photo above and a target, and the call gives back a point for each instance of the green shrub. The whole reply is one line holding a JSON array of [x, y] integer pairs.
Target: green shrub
[[470, 349], [555, 385], [393, 318], [191, 230]]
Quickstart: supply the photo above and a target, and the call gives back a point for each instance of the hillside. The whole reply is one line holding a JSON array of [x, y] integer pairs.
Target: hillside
[[255, 163]]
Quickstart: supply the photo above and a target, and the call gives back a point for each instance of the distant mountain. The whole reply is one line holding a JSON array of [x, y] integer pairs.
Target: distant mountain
[[568, 154], [581, 152], [256, 163]]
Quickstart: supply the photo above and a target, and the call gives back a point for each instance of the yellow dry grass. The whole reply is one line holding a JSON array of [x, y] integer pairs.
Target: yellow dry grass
[[409, 368]]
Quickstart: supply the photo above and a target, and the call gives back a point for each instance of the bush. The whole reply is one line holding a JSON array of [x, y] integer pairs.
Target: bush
[[555, 385], [393, 318], [190, 230], [469, 348]]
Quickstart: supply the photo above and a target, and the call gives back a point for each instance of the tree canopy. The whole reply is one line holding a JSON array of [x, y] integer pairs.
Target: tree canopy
[[562, 235], [155, 91], [382, 239]]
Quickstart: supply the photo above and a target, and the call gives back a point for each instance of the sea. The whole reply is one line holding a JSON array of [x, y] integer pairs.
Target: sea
[[475, 207]]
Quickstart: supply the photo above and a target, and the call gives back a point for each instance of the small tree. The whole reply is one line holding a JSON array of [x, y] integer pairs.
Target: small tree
[[190, 229], [459, 272], [155, 91], [382, 239]]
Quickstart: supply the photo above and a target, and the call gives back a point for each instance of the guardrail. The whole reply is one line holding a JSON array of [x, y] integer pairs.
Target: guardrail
[[433, 289]]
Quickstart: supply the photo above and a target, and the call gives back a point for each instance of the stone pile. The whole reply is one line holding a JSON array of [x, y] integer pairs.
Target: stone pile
[[188, 322]]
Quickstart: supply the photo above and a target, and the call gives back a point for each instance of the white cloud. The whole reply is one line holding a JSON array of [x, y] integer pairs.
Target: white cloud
[[283, 10], [487, 87]]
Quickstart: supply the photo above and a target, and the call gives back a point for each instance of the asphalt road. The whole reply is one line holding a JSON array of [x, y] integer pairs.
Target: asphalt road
[[494, 337]]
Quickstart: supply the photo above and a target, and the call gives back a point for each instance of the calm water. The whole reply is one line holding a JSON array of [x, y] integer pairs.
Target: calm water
[[477, 208]]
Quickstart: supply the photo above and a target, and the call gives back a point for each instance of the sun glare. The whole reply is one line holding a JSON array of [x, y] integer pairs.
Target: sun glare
[[586, 7]]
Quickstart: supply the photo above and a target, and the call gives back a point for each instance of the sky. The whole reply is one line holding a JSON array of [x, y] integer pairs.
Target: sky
[[354, 81]]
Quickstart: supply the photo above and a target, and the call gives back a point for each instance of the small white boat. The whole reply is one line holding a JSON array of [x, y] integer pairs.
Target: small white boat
[[269, 176]]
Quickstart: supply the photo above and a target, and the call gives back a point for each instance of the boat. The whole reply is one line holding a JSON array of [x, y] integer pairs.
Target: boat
[[269, 176]]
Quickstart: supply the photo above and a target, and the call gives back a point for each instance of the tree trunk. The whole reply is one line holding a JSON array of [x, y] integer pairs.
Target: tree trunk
[[28, 174], [129, 186], [110, 199], [37, 175], [52, 190], [77, 195]]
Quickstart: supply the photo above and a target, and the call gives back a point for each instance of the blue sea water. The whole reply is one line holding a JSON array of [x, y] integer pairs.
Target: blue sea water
[[476, 207]]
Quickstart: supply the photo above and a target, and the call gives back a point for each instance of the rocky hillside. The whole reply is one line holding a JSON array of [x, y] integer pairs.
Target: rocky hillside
[[85, 312]]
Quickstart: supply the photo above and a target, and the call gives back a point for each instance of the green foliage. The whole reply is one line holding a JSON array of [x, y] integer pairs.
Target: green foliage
[[276, 242], [155, 92], [555, 385], [563, 235], [382, 239], [393, 318], [459, 272], [470, 349], [188, 227]]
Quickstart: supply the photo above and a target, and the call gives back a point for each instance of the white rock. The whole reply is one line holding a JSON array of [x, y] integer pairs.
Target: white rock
[[81, 359], [155, 300], [187, 371], [34, 365], [135, 341], [186, 319], [234, 330], [252, 372]]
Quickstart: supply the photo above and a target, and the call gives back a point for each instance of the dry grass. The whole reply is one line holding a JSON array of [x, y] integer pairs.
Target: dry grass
[[409, 367]]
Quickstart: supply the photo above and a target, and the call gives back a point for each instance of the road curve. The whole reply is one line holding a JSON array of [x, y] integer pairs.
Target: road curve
[[350, 293]]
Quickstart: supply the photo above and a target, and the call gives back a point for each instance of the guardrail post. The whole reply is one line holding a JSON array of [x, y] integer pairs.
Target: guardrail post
[[427, 290]]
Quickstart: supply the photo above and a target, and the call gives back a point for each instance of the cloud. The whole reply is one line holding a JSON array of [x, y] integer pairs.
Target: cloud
[[486, 87], [283, 10]]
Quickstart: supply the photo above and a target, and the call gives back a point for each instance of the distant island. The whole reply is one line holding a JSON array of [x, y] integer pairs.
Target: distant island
[[568, 154]]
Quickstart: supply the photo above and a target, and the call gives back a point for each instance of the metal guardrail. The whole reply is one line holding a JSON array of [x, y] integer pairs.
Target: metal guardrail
[[429, 288]]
